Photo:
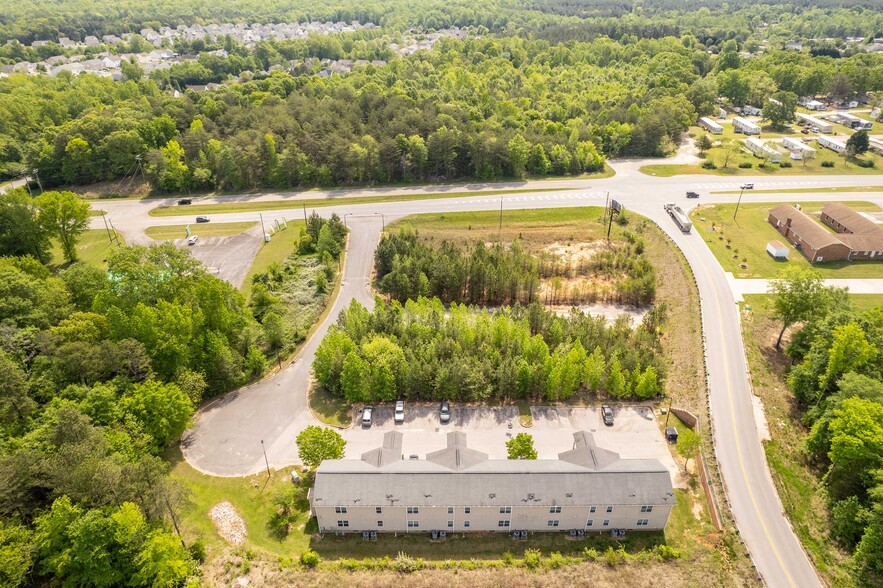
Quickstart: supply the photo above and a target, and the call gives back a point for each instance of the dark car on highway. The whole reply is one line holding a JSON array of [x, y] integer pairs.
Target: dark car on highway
[[692, 194], [184, 201], [202, 219]]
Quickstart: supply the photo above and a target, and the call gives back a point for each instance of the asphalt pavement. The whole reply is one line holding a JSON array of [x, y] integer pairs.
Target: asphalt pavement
[[232, 433]]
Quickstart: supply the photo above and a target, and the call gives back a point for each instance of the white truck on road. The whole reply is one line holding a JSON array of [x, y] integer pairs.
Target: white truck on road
[[679, 216]]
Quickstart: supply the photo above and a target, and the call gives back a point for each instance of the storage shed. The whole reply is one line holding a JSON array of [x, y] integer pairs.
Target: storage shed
[[777, 249]]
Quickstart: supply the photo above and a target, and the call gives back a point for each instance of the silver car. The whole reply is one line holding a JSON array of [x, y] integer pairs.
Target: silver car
[[400, 412], [444, 412], [367, 416]]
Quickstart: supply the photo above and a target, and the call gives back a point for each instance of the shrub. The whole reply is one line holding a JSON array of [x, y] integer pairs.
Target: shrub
[[827, 164], [746, 165], [707, 164], [590, 553], [197, 550], [666, 553], [785, 164], [405, 564], [309, 558], [615, 557], [532, 558], [556, 560], [508, 559], [761, 165], [865, 162]]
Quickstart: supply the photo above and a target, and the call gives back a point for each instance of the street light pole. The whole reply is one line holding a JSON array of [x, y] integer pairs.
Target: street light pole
[[266, 461], [737, 203]]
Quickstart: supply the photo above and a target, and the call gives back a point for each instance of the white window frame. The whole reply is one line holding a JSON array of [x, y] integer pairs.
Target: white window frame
[[553, 523], [554, 510]]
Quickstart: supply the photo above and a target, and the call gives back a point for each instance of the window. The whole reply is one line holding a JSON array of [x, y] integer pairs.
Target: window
[[379, 523], [554, 510], [646, 509], [467, 510], [450, 524], [379, 510], [553, 523], [606, 522], [340, 510], [609, 509], [343, 523], [413, 510], [502, 523], [413, 524], [590, 522], [643, 522], [466, 524], [450, 510], [592, 509], [505, 510]]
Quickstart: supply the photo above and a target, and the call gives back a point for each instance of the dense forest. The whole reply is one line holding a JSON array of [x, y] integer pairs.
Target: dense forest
[[423, 350], [408, 267], [837, 381], [496, 104]]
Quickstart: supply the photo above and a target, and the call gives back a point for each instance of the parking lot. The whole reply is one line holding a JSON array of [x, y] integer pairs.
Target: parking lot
[[635, 433]]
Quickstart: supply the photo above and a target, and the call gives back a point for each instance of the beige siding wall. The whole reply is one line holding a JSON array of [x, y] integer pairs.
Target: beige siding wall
[[485, 518]]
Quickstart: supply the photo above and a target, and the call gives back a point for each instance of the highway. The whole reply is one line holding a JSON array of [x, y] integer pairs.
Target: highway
[[231, 433]]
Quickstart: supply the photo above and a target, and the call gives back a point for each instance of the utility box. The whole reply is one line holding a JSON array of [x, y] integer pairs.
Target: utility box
[[671, 434]]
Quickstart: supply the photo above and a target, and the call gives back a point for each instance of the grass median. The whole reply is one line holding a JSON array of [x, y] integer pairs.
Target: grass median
[[810, 190], [325, 202], [740, 245], [162, 233]]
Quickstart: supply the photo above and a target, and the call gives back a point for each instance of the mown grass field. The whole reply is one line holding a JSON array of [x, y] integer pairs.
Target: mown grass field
[[747, 237], [162, 233], [281, 245], [836, 189], [92, 248]]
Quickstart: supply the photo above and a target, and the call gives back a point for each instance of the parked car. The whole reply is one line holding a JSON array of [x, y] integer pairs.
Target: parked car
[[400, 412], [607, 415], [367, 416], [747, 186], [805, 131], [692, 194], [444, 412], [184, 201], [202, 219], [192, 240]]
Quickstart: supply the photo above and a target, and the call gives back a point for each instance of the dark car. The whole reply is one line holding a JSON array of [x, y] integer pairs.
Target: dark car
[[444, 412], [607, 415], [184, 201], [692, 194], [202, 219]]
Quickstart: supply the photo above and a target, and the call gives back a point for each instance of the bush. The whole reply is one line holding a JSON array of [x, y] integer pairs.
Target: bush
[[405, 564], [865, 163], [827, 164], [532, 558], [746, 165], [707, 164], [197, 550], [785, 164], [309, 558], [556, 560], [761, 165], [666, 553]]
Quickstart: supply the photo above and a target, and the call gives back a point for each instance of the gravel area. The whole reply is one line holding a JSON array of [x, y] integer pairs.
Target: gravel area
[[228, 522]]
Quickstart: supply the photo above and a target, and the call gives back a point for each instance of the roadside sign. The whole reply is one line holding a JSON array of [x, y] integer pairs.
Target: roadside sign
[[616, 206], [187, 231]]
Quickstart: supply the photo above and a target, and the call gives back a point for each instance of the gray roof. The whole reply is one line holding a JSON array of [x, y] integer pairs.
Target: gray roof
[[586, 475]]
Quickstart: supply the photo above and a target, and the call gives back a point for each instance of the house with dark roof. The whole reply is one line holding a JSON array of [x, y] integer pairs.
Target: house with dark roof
[[856, 237], [458, 489]]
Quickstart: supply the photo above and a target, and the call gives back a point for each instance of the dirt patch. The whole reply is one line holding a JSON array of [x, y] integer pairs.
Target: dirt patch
[[229, 523], [575, 252], [609, 311]]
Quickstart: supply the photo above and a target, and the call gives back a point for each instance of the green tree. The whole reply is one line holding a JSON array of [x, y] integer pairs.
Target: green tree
[[77, 164], [615, 383], [316, 444], [163, 410], [521, 447], [779, 109], [17, 551], [162, 561], [688, 445], [647, 384], [519, 154], [857, 441], [539, 164], [799, 295], [65, 217], [849, 351], [21, 232], [858, 143]]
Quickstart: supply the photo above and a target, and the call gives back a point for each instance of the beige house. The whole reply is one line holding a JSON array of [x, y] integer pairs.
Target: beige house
[[458, 489]]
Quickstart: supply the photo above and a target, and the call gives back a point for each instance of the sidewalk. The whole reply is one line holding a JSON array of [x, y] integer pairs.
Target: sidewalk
[[758, 286]]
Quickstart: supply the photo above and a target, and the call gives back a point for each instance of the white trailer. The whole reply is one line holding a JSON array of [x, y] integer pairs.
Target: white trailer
[[711, 126], [680, 217], [832, 144], [798, 148], [761, 149], [852, 121], [741, 125], [811, 104], [811, 121], [876, 145]]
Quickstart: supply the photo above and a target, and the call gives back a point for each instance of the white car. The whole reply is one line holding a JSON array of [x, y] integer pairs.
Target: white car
[[192, 240], [400, 412], [747, 186], [367, 416]]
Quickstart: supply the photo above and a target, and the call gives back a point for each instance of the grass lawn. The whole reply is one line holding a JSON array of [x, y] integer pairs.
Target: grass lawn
[[796, 482], [161, 233], [330, 409], [92, 248], [811, 190], [281, 245], [252, 497], [748, 235], [95, 212], [322, 202]]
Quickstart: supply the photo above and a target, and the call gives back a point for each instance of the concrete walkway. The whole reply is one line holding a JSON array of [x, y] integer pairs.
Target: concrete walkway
[[760, 286]]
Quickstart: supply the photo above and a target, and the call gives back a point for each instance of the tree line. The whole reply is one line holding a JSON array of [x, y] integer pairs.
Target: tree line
[[837, 380], [425, 350], [408, 267]]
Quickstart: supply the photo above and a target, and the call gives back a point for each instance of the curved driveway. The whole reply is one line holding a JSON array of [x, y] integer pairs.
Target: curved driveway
[[227, 439]]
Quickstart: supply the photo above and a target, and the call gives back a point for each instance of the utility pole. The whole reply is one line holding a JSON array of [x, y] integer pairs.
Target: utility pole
[[668, 413], [37, 175], [115, 234], [263, 232], [500, 229], [265, 458], [106, 228], [738, 202], [606, 204], [305, 214]]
